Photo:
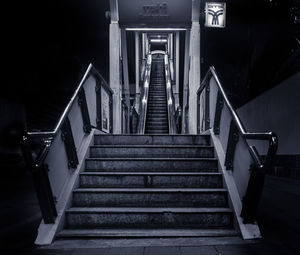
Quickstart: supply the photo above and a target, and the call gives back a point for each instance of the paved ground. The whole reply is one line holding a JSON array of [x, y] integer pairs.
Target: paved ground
[[278, 216]]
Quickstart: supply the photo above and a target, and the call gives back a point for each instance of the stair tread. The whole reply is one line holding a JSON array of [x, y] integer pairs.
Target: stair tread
[[151, 146], [153, 173], [152, 159], [149, 209], [148, 232], [153, 190]]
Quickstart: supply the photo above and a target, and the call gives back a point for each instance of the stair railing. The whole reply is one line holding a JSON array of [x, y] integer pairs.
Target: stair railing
[[216, 113], [170, 98], [50, 155], [144, 97]]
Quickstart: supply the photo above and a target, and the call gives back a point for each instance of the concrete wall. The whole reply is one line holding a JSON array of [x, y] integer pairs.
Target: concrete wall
[[276, 110]]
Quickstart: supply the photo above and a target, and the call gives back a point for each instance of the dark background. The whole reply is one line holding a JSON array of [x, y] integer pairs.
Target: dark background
[[47, 46]]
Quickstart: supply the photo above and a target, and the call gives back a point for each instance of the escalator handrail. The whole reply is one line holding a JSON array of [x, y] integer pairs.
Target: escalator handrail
[[170, 97], [144, 98]]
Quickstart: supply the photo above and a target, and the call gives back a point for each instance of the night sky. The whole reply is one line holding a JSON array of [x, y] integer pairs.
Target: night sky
[[47, 45]]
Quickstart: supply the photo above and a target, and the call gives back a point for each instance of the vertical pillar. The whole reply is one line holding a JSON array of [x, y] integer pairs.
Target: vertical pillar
[[176, 91], [171, 56], [185, 80], [125, 74], [143, 66], [114, 75], [146, 45], [137, 71], [194, 75]]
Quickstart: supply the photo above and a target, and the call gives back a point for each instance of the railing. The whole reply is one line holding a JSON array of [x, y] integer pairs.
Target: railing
[[144, 97], [216, 113], [125, 118], [50, 154], [170, 98]]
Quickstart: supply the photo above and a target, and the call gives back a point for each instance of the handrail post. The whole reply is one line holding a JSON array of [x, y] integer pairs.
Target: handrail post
[[67, 137], [41, 182], [207, 102], [218, 113], [84, 111], [253, 194], [233, 138]]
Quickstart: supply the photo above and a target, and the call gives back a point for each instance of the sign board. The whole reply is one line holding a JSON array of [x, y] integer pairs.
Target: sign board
[[215, 14], [154, 12]]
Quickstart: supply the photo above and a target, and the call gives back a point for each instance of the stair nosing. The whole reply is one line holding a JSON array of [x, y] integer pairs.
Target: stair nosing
[[150, 190], [152, 146], [149, 210], [153, 173], [151, 159]]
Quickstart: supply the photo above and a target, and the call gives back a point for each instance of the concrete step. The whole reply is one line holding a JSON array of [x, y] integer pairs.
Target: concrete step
[[159, 121], [149, 197], [162, 102], [153, 109], [152, 139], [151, 233], [156, 118], [157, 132], [157, 127], [152, 164], [150, 180], [137, 218]]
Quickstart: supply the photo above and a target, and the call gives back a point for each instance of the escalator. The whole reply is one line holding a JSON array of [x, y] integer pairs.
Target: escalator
[[157, 111]]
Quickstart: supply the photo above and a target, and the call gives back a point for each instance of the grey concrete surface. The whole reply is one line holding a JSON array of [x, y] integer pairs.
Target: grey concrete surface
[[278, 217]]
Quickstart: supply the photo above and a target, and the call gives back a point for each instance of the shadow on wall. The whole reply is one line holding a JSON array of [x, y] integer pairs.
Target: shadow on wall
[[278, 110]]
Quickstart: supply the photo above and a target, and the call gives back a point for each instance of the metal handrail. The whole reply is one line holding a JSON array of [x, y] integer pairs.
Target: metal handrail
[[69, 105], [144, 98], [170, 98], [270, 136]]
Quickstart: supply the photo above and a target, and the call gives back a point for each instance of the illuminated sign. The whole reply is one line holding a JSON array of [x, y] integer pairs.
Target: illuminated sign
[[215, 14], [154, 12]]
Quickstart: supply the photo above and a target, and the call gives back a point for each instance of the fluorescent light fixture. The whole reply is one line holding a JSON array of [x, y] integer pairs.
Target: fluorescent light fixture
[[158, 40], [153, 29]]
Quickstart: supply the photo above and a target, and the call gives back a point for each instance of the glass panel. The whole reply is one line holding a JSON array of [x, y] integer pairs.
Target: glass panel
[[104, 110], [57, 161], [90, 93], [241, 164], [225, 126], [76, 122]]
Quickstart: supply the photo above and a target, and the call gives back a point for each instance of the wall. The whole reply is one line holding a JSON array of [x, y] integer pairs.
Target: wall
[[276, 110]]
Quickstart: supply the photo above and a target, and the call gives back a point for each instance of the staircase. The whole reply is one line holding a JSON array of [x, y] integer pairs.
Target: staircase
[[150, 186], [157, 112]]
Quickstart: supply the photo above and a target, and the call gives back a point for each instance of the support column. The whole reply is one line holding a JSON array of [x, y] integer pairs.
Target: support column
[[143, 56], [125, 74], [186, 81], [137, 71], [194, 75], [176, 90], [114, 75]]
